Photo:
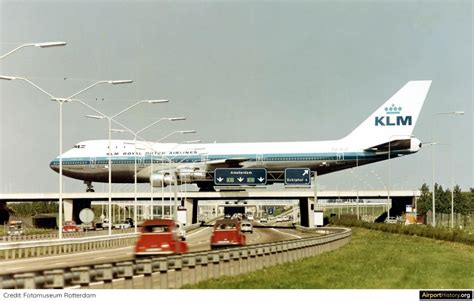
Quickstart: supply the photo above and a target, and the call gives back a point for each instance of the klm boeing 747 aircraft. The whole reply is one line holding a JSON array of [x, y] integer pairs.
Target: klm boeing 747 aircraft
[[386, 133]]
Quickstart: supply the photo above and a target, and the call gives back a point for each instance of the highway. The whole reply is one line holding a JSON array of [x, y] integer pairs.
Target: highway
[[198, 240]]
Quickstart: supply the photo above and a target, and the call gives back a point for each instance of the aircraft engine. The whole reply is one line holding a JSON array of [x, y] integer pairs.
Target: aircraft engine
[[189, 175], [161, 179], [415, 144], [185, 175]]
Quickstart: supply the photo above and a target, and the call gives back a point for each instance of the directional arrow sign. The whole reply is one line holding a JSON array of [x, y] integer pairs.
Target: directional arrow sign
[[240, 176], [298, 176]]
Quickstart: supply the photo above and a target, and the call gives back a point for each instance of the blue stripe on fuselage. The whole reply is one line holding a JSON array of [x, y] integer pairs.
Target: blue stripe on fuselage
[[340, 156]]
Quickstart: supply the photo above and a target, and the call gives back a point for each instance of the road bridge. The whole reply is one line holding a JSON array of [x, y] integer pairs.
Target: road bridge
[[306, 197]]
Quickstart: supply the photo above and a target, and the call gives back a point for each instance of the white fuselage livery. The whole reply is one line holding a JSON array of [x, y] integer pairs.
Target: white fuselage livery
[[387, 133]]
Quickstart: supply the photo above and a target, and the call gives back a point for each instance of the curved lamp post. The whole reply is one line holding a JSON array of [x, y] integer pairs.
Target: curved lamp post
[[109, 119], [61, 101], [41, 45]]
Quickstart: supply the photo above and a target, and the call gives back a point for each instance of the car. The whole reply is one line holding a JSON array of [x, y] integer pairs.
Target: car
[[88, 227], [246, 226], [122, 225], [70, 227], [159, 237], [130, 221], [15, 228], [264, 220], [227, 233], [202, 219], [181, 231], [105, 224], [391, 220], [250, 216], [279, 219]]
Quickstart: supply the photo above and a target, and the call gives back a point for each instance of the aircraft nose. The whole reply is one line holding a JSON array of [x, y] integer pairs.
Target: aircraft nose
[[54, 165]]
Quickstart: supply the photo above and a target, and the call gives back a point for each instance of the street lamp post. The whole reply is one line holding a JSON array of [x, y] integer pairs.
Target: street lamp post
[[175, 176], [41, 45], [458, 113], [135, 135], [109, 120], [61, 101]]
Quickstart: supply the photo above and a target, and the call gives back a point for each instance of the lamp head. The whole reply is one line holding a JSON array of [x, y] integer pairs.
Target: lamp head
[[50, 44], [118, 82]]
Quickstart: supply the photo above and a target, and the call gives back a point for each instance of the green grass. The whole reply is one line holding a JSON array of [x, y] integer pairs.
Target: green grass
[[373, 259]]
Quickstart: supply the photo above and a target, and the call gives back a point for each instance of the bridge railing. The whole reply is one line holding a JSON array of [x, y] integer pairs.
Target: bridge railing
[[35, 248], [180, 270], [49, 236]]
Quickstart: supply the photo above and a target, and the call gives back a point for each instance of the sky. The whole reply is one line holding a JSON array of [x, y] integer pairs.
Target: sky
[[240, 71]]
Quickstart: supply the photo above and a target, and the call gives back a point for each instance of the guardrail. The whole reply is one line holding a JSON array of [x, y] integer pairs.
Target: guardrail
[[26, 249], [176, 271], [49, 236], [72, 243]]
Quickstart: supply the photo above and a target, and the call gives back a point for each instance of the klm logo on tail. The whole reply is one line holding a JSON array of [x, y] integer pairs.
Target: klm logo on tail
[[393, 118]]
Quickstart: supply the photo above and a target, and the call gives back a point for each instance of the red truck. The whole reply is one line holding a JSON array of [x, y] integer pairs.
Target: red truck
[[227, 233], [159, 237]]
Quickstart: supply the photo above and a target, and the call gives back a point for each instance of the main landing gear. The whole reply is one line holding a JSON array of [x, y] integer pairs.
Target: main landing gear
[[206, 186], [90, 188]]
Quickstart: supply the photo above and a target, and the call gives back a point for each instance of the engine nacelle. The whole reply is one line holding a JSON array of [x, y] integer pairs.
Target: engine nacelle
[[189, 175], [184, 175], [161, 179], [415, 145]]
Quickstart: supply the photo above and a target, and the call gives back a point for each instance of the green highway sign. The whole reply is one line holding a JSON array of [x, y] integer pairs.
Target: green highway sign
[[298, 176], [240, 176]]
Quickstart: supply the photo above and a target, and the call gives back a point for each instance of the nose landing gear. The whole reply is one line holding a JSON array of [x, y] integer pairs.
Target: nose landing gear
[[90, 188]]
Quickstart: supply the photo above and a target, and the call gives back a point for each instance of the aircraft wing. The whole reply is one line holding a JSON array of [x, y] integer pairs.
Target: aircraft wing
[[400, 144], [225, 163], [206, 165]]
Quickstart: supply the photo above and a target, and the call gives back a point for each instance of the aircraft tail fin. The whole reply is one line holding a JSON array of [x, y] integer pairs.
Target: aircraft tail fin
[[395, 119]]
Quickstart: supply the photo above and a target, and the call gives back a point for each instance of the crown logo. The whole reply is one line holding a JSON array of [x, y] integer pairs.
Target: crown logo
[[393, 109]]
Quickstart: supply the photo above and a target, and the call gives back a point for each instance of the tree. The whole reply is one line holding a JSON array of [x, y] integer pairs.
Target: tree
[[461, 204], [424, 202], [442, 199]]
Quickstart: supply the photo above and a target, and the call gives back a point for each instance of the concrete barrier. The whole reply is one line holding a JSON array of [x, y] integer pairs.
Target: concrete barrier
[[178, 270]]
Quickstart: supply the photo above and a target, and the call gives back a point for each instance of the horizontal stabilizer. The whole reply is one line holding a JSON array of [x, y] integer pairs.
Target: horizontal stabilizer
[[403, 144]]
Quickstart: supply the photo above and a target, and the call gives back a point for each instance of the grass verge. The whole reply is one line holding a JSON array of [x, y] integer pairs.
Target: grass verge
[[373, 259], [454, 235]]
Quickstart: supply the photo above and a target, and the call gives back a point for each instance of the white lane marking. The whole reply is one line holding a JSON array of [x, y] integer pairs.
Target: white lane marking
[[63, 255], [199, 231], [286, 233], [14, 268], [253, 238]]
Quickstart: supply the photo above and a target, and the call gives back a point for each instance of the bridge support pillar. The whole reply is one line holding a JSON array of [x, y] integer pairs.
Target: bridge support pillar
[[4, 214], [191, 206], [306, 212], [73, 207], [68, 208]]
